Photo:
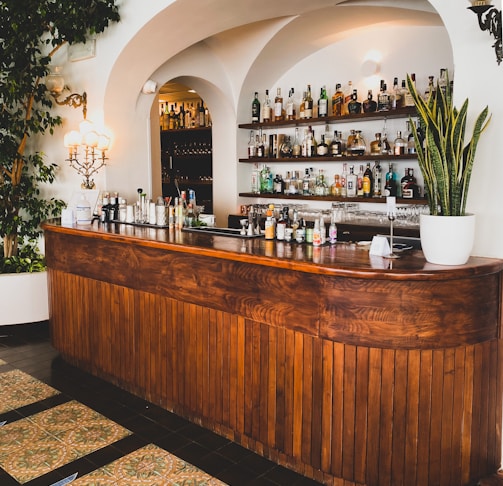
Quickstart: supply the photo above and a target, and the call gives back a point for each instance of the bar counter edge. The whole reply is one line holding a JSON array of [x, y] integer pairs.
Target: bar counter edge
[[315, 358]]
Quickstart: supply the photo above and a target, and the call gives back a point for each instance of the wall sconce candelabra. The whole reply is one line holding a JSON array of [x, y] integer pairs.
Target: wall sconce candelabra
[[489, 18], [93, 144]]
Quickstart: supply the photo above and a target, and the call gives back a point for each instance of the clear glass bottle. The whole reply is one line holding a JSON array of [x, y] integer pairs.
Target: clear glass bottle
[[336, 188], [323, 103], [252, 148], [296, 146], [278, 106], [290, 105], [352, 183], [267, 109], [344, 178], [407, 97], [306, 183], [358, 146], [377, 179], [397, 95], [286, 149], [383, 100], [359, 177], [400, 145]]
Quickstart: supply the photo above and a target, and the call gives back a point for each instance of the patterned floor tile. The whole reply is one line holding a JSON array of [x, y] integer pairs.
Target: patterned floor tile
[[18, 389], [150, 466], [38, 444]]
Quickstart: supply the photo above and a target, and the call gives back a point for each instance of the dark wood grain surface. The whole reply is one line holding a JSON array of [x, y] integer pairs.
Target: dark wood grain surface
[[349, 374]]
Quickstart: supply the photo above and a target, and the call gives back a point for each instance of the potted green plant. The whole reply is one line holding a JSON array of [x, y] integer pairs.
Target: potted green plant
[[446, 162], [31, 32]]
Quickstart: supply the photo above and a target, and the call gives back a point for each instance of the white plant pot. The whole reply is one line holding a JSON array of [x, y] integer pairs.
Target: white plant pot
[[447, 240], [24, 298]]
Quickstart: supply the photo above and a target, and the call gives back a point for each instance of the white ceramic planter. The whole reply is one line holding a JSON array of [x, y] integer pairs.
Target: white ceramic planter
[[447, 240], [24, 298]]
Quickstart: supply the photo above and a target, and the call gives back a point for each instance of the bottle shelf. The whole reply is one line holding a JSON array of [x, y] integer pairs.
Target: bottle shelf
[[191, 129], [344, 158], [190, 182], [381, 199], [377, 115]]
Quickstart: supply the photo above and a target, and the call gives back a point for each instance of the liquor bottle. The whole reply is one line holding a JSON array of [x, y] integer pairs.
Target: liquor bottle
[[302, 106], [296, 146], [278, 184], [397, 95], [286, 149], [377, 179], [411, 141], [255, 109], [328, 135], [383, 100], [390, 182], [188, 117], [369, 105], [349, 141], [321, 188], [359, 178], [336, 145], [305, 183], [290, 105], [308, 103], [376, 145], [336, 187], [430, 90], [323, 103], [171, 118], [407, 97], [352, 183], [348, 92], [344, 178], [202, 117], [181, 117], [317, 233], [403, 183], [442, 80], [337, 100], [266, 117], [410, 190], [255, 180], [252, 147], [278, 106], [322, 148], [400, 144], [367, 181], [354, 106], [332, 230]]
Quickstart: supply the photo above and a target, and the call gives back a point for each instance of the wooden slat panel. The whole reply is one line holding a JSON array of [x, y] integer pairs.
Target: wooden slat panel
[[350, 414]]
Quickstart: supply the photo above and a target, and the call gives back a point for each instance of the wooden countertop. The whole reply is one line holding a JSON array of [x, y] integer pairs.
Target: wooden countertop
[[342, 259]]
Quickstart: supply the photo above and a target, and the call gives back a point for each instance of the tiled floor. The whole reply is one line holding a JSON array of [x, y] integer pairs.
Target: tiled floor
[[27, 348]]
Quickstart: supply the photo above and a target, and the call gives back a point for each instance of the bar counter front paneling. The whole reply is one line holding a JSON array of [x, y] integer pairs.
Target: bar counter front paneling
[[349, 369]]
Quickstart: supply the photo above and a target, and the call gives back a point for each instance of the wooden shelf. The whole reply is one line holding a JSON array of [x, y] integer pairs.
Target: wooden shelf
[[344, 158], [377, 115], [377, 200]]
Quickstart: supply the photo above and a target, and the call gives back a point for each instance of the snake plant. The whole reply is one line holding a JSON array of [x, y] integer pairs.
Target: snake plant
[[445, 161]]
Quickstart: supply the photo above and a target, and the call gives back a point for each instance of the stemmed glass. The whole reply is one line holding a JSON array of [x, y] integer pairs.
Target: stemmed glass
[[391, 212]]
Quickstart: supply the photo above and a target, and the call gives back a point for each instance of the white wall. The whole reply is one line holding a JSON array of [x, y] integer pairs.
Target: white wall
[[154, 41]]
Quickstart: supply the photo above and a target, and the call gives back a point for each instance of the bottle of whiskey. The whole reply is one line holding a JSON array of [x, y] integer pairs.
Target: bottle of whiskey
[[336, 145], [308, 103], [323, 103], [278, 106], [255, 109], [266, 116], [383, 100], [369, 105], [296, 146], [337, 101], [348, 92], [354, 106], [376, 145], [302, 106], [367, 181], [322, 147], [407, 97]]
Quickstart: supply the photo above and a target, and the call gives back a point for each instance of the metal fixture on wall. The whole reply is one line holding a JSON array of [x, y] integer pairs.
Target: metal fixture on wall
[[489, 18], [93, 143]]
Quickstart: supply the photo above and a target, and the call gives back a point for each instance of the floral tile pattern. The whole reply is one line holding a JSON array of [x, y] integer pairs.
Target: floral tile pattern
[[18, 389], [148, 466], [35, 445]]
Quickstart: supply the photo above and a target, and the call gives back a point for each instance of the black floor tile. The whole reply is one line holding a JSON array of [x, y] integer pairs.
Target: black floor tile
[[28, 348]]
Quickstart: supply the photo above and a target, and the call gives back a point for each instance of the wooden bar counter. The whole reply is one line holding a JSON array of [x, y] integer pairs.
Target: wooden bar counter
[[349, 369]]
